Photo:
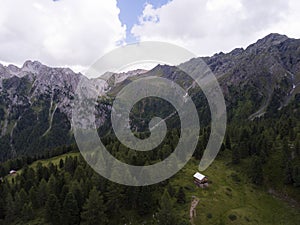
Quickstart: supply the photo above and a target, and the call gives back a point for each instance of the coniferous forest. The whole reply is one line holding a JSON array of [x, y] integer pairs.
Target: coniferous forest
[[58, 187]]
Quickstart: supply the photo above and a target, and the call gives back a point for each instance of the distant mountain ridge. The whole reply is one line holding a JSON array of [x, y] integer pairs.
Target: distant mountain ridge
[[35, 100], [270, 64]]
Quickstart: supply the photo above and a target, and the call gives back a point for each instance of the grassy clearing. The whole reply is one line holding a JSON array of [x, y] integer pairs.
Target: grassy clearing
[[232, 198], [55, 160], [45, 162]]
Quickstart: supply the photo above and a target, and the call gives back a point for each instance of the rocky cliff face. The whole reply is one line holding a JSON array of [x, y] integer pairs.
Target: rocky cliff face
[[32, 98], [36, 106], [26, 85], [273, 57], [269, 66], [35, 100]]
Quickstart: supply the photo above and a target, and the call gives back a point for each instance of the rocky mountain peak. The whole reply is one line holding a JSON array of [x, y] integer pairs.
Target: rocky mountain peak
[[13, 68], [7, 72], [119, 77], [236, 51], [273, 38], [268, 41], [32, 66]]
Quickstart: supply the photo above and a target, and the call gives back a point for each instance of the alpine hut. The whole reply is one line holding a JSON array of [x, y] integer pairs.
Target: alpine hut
[[200, 180]]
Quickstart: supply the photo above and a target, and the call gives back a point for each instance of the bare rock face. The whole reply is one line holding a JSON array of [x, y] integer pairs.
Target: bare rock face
[[36, 100], [36, 104], [263, 64], [57, 83], [267, 42], [5, 73]]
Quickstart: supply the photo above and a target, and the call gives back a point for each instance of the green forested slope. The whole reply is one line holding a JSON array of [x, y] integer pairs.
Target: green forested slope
[[57, 190]]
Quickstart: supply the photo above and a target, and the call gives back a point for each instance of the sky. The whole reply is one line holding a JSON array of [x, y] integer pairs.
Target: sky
[[75, 33], [130, 10]]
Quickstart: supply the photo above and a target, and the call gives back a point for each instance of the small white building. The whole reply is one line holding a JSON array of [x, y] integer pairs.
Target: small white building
[[200, 180], [12, 172]]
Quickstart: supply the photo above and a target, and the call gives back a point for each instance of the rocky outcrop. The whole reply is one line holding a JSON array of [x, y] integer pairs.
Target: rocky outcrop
[[36, 100]]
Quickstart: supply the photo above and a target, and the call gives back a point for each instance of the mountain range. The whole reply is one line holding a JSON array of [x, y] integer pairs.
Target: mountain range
[[36, 100]]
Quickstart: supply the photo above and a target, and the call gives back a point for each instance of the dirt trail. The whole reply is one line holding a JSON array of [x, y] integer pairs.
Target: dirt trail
[[193, 213]]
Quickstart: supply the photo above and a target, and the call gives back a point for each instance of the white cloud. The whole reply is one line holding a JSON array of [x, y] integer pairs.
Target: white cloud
[[65, 32], [290, 22], [209, 26]]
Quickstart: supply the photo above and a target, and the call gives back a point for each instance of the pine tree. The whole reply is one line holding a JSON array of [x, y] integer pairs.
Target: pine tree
[[39, 171], [285, 149], [228, 142], [52, 185], [181, 199], [296, 176], [2, 202], [144, 201], [18, 203], [78, 193], [10, 208], [166, 215], [42, 192], [79, 173], [53, 210], [61, 164], [288, 178], [70, 211], [27, 212], [52, 168], [93, 209], [114, 197], [63, 193], [23, 196], [256, 171], [33, 197], [171, 190], [70, 165], [235, 155], [2, 171], [297, 148]]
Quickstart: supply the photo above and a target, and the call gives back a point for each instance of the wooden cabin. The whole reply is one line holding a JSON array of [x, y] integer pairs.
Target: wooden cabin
[[12, 172], [200, 180]]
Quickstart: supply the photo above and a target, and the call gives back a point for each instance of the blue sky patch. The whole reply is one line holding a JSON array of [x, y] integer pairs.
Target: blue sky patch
[[130, 10]]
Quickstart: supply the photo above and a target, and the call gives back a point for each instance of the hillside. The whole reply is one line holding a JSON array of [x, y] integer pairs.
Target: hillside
[[230, 199]]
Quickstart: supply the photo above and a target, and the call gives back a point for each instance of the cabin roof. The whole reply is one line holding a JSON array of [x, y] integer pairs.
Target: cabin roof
[[199, 176]]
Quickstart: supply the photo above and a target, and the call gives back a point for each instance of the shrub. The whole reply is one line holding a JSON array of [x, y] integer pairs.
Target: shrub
[[232, 217], [209, 215]]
